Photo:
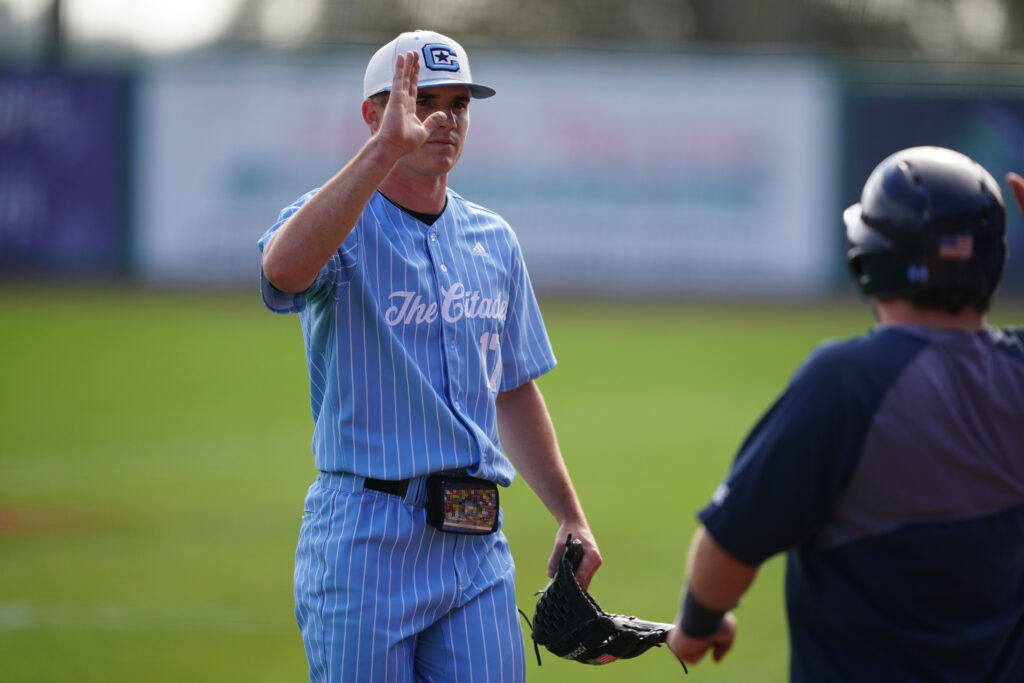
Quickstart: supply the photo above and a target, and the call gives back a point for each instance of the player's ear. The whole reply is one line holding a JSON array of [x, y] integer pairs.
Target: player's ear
[[372, 114]]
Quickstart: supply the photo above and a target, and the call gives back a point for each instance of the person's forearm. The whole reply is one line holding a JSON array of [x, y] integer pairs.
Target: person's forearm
[[716, 581], [717, 578], [300, 248], [528, 438]]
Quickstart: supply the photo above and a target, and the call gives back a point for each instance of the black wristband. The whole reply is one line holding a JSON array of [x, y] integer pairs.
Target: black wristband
[[697, 620]]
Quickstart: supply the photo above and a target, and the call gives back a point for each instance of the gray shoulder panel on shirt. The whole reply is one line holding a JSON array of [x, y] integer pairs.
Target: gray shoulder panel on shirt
[[945, 444]]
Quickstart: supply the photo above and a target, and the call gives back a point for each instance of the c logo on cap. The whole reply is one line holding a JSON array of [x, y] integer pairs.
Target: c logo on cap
[[438, 57]]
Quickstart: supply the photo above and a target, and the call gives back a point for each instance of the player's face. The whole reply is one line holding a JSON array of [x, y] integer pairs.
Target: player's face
[[444, 146]]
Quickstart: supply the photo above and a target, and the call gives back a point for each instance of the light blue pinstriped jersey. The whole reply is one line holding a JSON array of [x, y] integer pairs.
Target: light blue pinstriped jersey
[[411, 331]]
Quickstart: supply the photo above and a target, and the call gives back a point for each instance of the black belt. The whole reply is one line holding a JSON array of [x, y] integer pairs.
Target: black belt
[[394, 487]]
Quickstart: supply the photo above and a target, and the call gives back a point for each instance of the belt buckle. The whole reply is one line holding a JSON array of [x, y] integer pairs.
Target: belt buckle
[[394, 487]]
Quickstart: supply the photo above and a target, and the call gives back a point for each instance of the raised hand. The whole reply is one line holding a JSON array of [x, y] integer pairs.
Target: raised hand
[[400, 124], [1017, 188]]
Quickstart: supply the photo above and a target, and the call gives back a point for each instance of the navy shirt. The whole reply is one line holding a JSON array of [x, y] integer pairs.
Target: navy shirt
[[892, 471]]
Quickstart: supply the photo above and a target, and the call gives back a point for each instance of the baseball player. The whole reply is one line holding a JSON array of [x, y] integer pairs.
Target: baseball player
[[423, 340], [890, 469]]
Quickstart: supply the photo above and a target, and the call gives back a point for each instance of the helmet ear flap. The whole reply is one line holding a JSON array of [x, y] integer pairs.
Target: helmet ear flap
[[858, 264]]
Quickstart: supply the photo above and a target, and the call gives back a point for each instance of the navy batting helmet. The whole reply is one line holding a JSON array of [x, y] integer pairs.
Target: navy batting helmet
[[928, 218]]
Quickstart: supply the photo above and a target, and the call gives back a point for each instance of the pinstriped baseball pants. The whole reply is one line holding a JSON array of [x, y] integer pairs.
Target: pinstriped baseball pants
[[382, 596]]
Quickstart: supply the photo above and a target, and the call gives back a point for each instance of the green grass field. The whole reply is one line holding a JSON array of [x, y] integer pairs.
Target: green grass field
[[155, 455]]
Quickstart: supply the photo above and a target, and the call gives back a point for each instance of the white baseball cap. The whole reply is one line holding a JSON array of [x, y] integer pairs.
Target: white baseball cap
[[442, 62]]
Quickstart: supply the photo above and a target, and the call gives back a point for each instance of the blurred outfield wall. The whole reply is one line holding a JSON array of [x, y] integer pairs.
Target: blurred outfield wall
[[618, 172], [623, 173]]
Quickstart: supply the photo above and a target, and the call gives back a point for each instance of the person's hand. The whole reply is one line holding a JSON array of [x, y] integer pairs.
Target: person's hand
[[400, 126], [1017, 188], [591, 554], [691, 650]]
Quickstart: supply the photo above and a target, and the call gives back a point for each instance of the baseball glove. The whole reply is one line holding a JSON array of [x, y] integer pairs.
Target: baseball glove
[[570, 624]]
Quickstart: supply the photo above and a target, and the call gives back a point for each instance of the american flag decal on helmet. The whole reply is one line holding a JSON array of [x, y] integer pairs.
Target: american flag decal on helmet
[[956, 247]]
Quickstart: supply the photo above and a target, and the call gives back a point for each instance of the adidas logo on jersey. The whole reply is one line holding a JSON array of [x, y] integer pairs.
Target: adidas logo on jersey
[[478, 250]]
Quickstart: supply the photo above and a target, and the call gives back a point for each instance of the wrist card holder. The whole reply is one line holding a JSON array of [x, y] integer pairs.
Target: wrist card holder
[[462, 505]]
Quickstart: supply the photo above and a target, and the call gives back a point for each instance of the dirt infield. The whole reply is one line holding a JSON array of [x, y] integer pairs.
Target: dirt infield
[[30, 521]]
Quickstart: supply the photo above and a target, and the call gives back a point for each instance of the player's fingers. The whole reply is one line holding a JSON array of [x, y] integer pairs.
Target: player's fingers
[[435, 121], [1016, 183], [398, 83], [406, 74], [591, 561], [587, 569], [721, 649], [553, 561], [413, 60], [687, 650]]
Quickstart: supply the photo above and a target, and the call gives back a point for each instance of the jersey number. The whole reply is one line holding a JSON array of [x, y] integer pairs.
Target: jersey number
[[491, 341]]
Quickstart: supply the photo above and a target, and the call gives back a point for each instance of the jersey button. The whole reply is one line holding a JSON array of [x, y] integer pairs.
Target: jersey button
[[444, 268], [433, 237]]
